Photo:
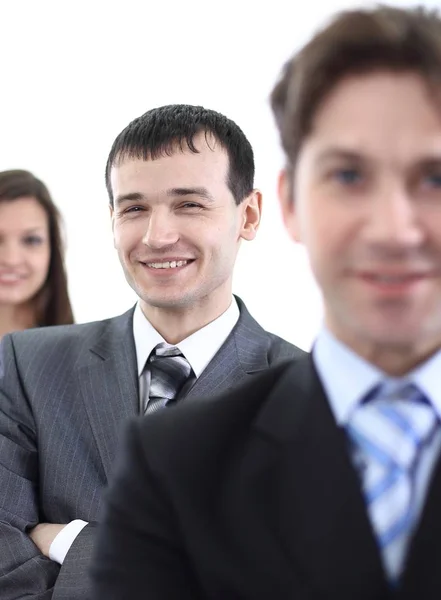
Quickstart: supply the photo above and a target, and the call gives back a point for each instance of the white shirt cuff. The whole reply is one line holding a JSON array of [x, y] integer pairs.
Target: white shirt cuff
[[64, 540]]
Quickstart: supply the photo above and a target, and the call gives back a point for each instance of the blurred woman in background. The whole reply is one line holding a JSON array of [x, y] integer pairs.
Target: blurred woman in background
[[33, 281]]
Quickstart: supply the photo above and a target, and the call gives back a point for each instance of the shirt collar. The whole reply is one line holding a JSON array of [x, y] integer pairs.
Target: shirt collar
[[426, 377], [346, 377], [199, 348]]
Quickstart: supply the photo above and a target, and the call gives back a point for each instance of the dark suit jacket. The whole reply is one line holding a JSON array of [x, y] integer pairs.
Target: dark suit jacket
[[250, 496], [64, 394]]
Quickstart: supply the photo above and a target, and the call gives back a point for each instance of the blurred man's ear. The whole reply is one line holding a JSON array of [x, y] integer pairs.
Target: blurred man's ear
[[287, 203]]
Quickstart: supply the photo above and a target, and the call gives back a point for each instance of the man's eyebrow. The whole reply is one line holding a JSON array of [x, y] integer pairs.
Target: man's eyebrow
[[202, 192], [430, 162], [335, 153], [132, 197], [427, 161]]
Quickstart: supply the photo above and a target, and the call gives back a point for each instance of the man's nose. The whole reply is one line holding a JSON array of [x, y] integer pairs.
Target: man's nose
[[161, 231], [393, 219]]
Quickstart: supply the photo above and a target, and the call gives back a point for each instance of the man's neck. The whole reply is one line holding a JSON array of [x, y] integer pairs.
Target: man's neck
[[399, 361], [396, 360], [177, 324]]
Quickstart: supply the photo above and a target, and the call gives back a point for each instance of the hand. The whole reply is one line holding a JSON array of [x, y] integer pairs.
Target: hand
[[44, 534]]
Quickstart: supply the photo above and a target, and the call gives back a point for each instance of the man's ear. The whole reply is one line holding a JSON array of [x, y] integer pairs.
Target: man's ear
[[252, 213], [285, 187], [112, 220]]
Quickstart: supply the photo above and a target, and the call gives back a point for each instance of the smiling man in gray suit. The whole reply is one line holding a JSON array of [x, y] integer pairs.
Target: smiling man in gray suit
[[180, 182]]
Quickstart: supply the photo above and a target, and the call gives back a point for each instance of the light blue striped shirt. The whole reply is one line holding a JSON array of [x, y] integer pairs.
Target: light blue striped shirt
[[347, 378]]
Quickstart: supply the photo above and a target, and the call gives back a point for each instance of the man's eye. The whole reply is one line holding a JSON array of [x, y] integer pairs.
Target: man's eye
[[191, 205], [133, 209], [347, 176], [433, 180]]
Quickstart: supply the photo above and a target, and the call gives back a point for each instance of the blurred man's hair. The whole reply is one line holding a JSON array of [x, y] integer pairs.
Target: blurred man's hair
[[355, 42]]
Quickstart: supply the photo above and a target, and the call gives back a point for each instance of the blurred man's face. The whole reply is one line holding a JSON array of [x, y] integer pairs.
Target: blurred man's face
[[367, 205]]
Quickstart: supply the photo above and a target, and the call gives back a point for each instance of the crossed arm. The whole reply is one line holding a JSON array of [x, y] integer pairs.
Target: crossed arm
[[25, 567]]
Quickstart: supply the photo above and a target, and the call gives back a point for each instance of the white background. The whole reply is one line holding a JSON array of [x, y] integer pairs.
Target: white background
[[73, 74]]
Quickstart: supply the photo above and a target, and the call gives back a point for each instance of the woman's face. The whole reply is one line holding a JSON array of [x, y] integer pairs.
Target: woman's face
[[24, 250]]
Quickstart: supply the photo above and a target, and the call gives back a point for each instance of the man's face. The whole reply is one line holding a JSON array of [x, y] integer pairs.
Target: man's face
[[367, 206], [177, 227]]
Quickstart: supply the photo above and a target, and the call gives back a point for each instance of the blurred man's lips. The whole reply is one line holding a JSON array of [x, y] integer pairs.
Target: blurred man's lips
[[388, 283], [394, 277]]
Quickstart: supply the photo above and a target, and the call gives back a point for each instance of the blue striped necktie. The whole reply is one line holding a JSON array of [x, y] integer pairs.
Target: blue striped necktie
[[389, 430]]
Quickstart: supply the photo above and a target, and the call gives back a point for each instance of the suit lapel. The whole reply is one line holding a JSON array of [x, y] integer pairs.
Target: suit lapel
[[422, 576], [244, 352], [314, 496], [109, 384]]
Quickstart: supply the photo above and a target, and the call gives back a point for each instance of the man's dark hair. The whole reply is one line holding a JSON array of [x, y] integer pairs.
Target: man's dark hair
[[160, 131], [355, 42]]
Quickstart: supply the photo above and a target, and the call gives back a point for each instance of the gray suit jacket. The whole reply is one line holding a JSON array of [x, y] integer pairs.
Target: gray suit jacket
[[64, 395]]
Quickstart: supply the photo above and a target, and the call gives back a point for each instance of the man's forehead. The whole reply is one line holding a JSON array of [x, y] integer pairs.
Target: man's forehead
[[170, 177], [206, 164], [407, 137], [176, 153]]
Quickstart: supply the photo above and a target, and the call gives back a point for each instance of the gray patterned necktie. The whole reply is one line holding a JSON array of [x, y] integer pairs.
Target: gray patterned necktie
[[169, 371]]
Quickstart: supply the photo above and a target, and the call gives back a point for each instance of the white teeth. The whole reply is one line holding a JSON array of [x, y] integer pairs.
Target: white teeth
[[168, 265]]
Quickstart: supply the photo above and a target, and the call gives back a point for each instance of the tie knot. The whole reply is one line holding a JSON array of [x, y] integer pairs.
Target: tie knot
[[170, 365], [392, 391], [165, 350], [393, 422], [169, 371]]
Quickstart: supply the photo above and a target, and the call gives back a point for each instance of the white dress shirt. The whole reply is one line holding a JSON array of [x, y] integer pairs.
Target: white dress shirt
[[199, 349], [347, 378]]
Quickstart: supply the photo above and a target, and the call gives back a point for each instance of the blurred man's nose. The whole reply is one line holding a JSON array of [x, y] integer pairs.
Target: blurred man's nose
[[393, 219]]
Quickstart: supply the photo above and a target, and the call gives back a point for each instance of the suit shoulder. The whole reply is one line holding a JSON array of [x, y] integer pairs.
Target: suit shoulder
[[56, 333], [277, 348], [48, 341], [281, 349]]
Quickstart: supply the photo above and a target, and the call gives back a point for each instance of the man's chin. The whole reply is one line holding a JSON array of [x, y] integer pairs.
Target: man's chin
[[396, 335], [172, 302]]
